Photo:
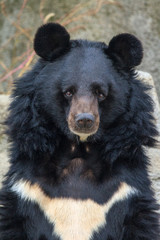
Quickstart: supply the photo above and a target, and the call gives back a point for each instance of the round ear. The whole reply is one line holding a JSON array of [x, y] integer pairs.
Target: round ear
[[126, 49], [51, 41]]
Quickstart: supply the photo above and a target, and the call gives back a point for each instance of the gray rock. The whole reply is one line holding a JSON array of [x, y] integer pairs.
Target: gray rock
[[154, 153], [4, 102]]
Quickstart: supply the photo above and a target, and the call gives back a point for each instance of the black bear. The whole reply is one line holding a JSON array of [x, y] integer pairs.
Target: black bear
[[78, 124]]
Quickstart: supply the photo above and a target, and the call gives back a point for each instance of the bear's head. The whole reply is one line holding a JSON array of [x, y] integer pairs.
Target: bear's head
[[82, 88]]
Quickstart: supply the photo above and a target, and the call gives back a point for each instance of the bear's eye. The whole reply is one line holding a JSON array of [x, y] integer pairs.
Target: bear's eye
[[101, 96], [68, 94]]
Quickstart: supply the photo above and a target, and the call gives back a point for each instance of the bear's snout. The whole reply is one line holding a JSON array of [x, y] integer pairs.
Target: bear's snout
[[84, 120]]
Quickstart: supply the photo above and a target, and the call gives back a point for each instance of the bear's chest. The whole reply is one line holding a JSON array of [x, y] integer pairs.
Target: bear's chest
[[73, 218], [78, 181]]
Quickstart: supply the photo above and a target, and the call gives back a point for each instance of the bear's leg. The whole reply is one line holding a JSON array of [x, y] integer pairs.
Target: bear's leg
[[11, 224], [141, 223]]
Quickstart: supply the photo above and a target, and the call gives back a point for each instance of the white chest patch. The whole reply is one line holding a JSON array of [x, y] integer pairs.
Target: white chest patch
[[72, 219]]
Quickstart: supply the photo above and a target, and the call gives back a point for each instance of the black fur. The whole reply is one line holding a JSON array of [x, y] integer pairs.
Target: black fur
[[127, 49], [51, 40], [41, 141]]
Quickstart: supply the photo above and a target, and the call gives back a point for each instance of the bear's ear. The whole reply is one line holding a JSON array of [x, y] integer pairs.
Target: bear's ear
[[51, 40], [126, 49]]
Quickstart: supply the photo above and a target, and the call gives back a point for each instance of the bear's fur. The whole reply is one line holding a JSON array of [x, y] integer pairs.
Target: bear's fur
[[78, 124]]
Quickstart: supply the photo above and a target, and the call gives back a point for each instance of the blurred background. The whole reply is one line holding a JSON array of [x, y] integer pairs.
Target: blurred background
[[91, 19]]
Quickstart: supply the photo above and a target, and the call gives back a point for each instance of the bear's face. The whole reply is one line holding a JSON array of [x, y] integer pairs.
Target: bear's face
[[84, 93]]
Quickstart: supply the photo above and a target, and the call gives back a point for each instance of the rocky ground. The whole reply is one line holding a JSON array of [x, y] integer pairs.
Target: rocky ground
[[154, 169]]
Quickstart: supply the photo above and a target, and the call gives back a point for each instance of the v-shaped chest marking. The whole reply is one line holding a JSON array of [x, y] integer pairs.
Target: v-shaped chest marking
[[72, 219]]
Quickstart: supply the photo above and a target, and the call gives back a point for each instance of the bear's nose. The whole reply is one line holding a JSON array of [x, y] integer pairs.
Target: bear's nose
[[84, 120]]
